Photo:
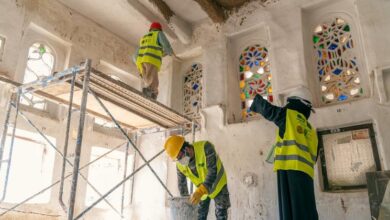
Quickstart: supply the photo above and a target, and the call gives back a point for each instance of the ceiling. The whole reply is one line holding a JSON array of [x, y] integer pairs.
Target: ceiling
[[130, 19], [117, 16], [188, 10]]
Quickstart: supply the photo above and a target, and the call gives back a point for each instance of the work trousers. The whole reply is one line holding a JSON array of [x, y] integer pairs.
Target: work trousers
[[296, 196], [222, 204], [150, 80]]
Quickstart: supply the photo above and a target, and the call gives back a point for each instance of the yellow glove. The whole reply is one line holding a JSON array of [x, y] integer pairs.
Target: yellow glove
[[197, 195]]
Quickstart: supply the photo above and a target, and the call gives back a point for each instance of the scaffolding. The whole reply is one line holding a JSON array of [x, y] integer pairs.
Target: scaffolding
[[100, 86]]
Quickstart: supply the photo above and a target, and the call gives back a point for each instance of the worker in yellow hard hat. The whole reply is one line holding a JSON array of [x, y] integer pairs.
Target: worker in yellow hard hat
[[201, 164]]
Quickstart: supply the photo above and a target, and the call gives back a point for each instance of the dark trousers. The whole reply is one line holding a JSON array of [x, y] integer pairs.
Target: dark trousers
[[296, 196], [222, 204]]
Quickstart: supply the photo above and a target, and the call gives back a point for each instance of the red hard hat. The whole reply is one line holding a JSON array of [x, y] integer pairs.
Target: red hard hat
[[155, 25]]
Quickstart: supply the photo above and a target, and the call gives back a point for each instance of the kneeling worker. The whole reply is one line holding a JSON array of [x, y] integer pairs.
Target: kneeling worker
[[201, 164]]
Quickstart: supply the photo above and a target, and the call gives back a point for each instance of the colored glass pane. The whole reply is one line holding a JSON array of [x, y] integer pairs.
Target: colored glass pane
[[257, 77], [193, 92], [316, 39], [336, 62]]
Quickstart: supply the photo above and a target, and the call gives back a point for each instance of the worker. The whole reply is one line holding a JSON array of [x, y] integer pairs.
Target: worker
[[202, 165], [295, 153], [148, 58]]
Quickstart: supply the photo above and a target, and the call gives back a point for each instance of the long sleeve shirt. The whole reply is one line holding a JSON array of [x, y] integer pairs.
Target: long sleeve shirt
[[211, 160], [278, 114], [163, 42]]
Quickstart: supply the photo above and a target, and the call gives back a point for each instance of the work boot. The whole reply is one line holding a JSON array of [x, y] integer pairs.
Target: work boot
[[147, 92], [154, 96]]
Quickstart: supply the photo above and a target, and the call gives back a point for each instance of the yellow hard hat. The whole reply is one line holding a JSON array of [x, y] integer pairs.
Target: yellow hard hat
[[173, 145]]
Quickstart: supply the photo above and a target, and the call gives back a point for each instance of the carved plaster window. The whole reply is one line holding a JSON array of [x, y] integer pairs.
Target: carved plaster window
[[336, 62], [193, 89], [255, 77], [40, 63]]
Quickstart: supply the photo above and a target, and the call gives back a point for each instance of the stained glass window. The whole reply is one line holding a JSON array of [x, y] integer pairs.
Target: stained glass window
[[40, 63], [255, 77], [193, 92], [337, 65]]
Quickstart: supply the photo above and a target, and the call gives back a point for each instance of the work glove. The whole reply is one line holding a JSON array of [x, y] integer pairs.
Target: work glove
[[258, 98], [197, 195]]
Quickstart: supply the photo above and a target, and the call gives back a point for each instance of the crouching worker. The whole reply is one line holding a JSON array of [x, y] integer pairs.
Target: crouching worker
[[201, 164], [295, 154]]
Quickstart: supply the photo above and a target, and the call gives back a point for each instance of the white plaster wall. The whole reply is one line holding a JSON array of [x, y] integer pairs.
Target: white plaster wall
[[82, 37]]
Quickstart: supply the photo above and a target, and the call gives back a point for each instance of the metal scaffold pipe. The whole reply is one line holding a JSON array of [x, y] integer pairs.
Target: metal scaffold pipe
[[79, 140], [51, 80], [124, 176], [65, 150], [5, 130], [17, 100]]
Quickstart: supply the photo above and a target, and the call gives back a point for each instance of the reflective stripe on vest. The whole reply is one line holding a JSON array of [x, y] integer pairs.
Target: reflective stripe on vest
[[149, 51], [201, 167], [298, 148]]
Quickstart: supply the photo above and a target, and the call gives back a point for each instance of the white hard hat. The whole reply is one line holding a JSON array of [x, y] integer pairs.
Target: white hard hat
[[301, 93]]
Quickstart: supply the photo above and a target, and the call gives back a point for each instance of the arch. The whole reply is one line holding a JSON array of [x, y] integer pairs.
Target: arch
[[255, 77], [336, 61], [40, 63]]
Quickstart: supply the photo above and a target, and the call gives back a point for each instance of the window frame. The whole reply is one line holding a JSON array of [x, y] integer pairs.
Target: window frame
[[322, 165]]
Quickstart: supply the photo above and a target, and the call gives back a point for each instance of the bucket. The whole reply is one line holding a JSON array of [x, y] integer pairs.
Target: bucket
[[182, 209]]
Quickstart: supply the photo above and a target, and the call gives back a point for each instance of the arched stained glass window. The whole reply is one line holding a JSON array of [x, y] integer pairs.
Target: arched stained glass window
[[193, 92], [255, 77], [40, 63], [337, 65]]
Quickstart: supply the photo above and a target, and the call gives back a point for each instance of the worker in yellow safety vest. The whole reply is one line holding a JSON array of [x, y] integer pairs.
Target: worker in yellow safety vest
[[201, 164], [295, 153], [148, 58]]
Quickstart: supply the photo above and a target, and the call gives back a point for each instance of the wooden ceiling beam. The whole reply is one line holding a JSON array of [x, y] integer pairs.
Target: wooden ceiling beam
[[213, 10]]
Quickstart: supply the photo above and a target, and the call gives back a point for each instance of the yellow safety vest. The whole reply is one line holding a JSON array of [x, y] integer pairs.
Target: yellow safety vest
[[149, 51], [297, 150], [201, 167]]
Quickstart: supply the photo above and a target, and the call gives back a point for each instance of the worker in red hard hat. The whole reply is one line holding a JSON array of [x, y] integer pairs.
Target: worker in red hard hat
[[148, 58]]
